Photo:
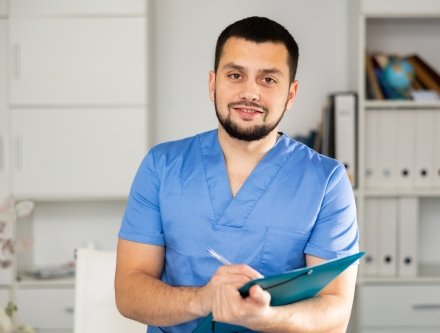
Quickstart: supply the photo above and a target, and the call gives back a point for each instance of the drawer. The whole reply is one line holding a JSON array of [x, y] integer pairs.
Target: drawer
[[402, 330], [46, 308], [403, 306]]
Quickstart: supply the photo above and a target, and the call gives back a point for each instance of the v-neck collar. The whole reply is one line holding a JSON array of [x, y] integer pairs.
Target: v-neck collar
[[233, 211]]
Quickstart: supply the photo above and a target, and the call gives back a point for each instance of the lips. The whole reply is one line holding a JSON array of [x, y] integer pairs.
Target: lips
[[247, 109]]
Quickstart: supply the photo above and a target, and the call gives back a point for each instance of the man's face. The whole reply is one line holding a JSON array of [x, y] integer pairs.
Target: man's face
[[251, 89]]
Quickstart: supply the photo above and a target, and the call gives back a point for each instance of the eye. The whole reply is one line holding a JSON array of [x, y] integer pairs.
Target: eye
[[269, 80], [234, 76]]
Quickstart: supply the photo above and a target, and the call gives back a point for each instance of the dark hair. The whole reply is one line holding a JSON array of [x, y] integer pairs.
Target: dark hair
[[259, 30]]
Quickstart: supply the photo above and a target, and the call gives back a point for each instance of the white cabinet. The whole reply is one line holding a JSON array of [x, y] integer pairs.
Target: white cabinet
[[407, 300], [46, 309], [76, 152], [406, 306], [79, 61], [73, 130], [4, 160], [22, 8], [3, 8], [5, 296]]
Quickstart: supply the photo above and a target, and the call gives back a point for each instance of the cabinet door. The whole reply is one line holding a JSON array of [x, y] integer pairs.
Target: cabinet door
[[46, 308], [5, 296], [78, 61], [403, 306], [77, 7], [4, 163], [3, 8], [77, 152]]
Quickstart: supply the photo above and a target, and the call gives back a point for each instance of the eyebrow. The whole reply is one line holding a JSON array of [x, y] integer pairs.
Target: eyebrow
[[231, 65]]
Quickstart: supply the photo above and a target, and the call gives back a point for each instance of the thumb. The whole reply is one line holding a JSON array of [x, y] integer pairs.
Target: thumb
[[258, 295]]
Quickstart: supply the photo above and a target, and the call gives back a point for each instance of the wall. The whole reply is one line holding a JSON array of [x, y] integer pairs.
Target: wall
[[183, 41]]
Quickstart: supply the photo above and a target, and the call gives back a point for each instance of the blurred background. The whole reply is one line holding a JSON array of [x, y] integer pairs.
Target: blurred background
[[88, 86]]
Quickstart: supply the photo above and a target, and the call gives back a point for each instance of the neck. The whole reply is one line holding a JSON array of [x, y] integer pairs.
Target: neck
[[244, 150]]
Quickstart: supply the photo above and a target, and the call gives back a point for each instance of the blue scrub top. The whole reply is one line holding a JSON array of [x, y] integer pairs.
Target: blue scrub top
[[295, 202]]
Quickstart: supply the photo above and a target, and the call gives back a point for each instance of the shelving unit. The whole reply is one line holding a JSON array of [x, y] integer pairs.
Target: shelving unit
[[73, 130], [402, 27]]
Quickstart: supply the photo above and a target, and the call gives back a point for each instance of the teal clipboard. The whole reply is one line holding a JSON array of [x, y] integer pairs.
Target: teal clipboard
[[286, 288]]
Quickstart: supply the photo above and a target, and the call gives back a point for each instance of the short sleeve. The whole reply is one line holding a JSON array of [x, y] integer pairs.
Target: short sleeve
[[335, 233], [142, 221]]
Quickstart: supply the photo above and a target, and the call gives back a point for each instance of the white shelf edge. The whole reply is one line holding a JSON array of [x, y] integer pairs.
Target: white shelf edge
[[400, 8], [401, 193], [75, 198], [393, 280], [387, 104], [75, 106], [403, 15], [29, 282]]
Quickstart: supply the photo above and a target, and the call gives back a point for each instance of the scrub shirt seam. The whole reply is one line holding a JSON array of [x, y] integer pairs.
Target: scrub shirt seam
[[262, 191], [332, 174], [201, 145]]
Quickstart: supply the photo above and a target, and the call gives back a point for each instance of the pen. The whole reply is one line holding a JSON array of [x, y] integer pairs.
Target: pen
[[218, 256]]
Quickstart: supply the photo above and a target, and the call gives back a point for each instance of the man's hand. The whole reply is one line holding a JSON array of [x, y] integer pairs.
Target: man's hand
[[252, 312], [226, 277]]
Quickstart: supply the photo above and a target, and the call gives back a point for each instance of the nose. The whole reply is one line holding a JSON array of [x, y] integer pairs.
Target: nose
[[250, 91]]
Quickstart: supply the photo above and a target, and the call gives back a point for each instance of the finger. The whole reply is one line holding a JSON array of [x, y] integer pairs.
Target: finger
[[258, 295], [242, 270]]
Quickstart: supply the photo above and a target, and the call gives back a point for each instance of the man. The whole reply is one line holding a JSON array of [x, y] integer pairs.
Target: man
[[262, 200]]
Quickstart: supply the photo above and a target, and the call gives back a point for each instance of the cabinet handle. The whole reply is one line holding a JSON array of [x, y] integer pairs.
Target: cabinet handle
[[17, 61], [69, 309], [426, 306], [18, 152], [2, 153]]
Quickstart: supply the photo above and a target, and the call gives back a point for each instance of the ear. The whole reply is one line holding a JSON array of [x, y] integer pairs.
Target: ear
[[211, 85], [292, 94]]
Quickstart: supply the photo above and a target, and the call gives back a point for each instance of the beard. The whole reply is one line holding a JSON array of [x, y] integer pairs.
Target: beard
[[254, 133]]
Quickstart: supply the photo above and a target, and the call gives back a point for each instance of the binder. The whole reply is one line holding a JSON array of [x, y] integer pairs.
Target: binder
[[286, 288], [436, 145], [407, 237], [387, 154], [387, 240], [424, 160], [371, 234], [345, 108], [404, 149], [372, 146]]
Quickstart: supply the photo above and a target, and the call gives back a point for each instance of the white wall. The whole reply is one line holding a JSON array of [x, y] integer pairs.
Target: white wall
[[183, 41]]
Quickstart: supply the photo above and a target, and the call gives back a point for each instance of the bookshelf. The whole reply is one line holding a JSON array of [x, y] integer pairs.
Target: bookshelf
[[398, 27]]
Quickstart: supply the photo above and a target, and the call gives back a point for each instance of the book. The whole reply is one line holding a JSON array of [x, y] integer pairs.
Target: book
[[425, 74], [372, 82], [287, 288]]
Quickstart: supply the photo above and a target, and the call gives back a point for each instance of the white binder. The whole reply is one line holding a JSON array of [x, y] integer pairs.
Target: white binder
[[424, 143], [407, 237], [370, 235], [387, 237], [345, 132], [372, 146], [387, 149], [404, 148], [436, 146]]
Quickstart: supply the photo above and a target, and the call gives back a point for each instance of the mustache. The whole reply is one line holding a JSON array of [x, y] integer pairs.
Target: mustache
[[252, 104]]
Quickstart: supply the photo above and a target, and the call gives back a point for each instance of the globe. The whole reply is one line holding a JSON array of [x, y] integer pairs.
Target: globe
[[398, 74]]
